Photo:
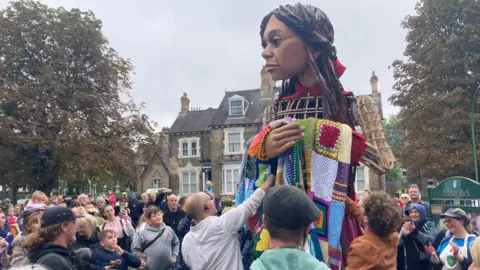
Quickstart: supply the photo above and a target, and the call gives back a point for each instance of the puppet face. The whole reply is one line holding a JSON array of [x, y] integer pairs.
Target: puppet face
[[285, 52]]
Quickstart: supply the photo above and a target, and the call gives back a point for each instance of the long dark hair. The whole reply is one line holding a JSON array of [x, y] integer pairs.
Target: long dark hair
[[314, 27]]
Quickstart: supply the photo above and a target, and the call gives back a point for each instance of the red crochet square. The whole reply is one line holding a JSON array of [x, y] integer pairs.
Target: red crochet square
[[329, 136]]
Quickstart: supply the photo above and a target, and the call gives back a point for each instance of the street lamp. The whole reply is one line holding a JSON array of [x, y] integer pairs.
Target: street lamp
[[472, 124]]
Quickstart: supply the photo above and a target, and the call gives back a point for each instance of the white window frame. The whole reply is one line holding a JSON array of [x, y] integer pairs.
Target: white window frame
[[230, 168], [365, 178], [189, 142], [244, 105], [190, 182], [188, 169], [156, 182], [226, 143]]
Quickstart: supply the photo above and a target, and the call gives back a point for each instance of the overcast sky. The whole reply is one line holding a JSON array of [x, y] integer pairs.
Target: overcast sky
[[203, 47]]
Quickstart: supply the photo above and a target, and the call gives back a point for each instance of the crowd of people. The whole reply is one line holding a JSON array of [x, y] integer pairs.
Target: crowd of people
[[159, 231]]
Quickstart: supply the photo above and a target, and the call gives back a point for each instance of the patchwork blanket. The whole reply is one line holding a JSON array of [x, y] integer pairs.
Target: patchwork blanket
[[319, 164]]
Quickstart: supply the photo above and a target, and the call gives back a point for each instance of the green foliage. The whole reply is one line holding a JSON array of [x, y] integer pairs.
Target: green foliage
[[394, 174], [394, 133], [227, 203], [61, 99], [435, 84]]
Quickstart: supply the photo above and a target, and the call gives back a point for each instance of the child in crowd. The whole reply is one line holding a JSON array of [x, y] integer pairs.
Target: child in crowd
[[12, 219], [377, 249], [110, 254], [209, 186]]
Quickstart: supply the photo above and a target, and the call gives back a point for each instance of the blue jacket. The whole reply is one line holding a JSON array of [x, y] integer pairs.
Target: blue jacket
[[103, 257], [9, 237]]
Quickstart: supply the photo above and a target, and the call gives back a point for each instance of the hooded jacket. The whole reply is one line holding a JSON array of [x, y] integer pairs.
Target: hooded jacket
[[161, 252], [287, 259], [411, 246], [58, 257]]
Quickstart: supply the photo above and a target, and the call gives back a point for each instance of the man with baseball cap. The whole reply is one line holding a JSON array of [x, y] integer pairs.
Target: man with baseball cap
[[49, 246], [287, 215]]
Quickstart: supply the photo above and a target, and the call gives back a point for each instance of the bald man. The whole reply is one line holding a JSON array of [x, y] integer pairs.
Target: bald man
[[213, 242], [172, 214]]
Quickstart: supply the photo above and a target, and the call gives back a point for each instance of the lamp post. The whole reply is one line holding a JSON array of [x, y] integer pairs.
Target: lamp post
[[472, 126]]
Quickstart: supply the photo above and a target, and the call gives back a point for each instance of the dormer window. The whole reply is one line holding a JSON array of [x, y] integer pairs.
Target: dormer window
[[237, 106]]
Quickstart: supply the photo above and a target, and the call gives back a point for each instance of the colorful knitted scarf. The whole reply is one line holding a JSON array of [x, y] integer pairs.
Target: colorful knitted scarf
[[319, 164]]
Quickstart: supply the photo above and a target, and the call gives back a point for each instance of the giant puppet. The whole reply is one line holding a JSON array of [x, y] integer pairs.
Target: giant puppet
[[312, 142]]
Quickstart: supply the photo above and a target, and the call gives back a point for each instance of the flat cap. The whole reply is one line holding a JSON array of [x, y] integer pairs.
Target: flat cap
[[288, 207]]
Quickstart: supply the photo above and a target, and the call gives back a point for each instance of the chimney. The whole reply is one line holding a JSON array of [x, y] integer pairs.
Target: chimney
[[374, 83], [267, 83], [185, 104]]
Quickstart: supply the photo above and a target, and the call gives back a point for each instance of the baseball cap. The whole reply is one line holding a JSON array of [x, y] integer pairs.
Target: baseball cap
[[124, 193], [289, 207], [57, 215], [457, 213]]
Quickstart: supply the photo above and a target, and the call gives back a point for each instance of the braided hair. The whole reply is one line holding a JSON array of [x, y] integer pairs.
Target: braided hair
[[316, 30]]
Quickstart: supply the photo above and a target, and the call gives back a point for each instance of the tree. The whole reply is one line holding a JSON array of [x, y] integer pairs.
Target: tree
[[435, 84], [65, 95], [395, 173], [394, 133]]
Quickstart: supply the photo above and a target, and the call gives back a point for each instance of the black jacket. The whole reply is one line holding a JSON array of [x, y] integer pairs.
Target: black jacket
[[411, 248], [172, 219], [56, 257], [84, 242]]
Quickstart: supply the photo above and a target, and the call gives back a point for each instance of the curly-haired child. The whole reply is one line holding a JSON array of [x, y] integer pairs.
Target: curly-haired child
[[377, 249]]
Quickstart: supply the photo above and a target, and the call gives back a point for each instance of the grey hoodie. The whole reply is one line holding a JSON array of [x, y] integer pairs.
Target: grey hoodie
[[162, 251]]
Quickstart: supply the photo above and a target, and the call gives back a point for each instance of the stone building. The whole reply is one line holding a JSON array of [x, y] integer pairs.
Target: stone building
[[153, 170], [209, 144], [238, 118], [190, 148]]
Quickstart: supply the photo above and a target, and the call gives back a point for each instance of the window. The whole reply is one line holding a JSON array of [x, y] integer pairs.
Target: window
[[156, 183], [234, 143], [194, 148], [189, 147], [230, 177], [360, 181], [185, 149], [237, 107], [189, 184]]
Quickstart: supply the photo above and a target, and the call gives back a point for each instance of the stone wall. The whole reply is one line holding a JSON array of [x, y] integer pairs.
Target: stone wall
[[175, 162], [376, 181], [217, 158]]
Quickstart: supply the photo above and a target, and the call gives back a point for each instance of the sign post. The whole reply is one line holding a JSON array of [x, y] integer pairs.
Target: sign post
[[454, 192]]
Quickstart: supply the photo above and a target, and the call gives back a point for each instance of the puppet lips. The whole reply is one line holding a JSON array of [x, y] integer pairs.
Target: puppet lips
[[270, 66]]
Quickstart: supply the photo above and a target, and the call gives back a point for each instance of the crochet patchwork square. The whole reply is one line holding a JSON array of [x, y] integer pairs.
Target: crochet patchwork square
[[320, 226], [315, 243], [324, 173], [337, 212], [335, 257], [343, 173], [327, 138], [344, 152], [309, 134]]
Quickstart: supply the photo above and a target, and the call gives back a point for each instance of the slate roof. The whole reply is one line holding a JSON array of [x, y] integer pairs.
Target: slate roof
[[254, 113], [193, 121], [140, 159]]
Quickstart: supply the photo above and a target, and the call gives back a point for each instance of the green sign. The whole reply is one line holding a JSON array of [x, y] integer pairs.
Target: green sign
[[456, 188]]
